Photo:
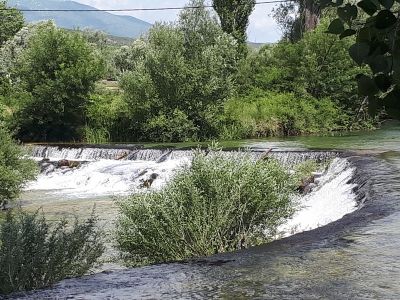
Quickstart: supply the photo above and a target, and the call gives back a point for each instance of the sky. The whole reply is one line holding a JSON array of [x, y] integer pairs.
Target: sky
[[262, 28]]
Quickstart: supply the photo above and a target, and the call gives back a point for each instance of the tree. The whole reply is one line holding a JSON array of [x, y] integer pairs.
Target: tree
[[181, 75], [58, 70], [377, 45], [234, 17], [15, 171], [11, 21]]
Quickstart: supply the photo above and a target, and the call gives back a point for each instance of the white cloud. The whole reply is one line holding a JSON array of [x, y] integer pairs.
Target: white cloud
[[262, 27]]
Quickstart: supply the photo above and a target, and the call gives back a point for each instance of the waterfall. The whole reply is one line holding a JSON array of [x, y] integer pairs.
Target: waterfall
[[132, 153]]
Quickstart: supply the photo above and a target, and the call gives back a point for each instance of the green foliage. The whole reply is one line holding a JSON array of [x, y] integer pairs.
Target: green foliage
[[234, 17], [218, 204], [279, 114], [11, 21], [34, 255], [180, 72], [317, 66], [105, 115], [15, 170], [376, 46], [57, 70]]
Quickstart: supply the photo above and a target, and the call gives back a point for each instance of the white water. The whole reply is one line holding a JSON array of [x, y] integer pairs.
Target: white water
[[329, 201], [100, 176], [105, 178]]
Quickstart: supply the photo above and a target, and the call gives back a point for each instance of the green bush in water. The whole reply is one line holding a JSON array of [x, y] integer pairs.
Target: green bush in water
[[33, 255], [217, 204]]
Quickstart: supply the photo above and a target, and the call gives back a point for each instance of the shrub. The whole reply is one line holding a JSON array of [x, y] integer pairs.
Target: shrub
[[217, 204], [280, 114], [15, 171], [33, 255]]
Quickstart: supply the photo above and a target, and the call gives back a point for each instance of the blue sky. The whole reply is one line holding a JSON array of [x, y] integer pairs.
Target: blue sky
[[262, 27]]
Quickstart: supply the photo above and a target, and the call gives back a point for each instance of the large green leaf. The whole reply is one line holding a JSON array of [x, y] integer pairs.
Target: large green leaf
[[383, 82], [366, 86], [348, 12], [387, 3], [359, 52], [336, 27], [368, 6], [385, 19], [378, 64], [347, 32]]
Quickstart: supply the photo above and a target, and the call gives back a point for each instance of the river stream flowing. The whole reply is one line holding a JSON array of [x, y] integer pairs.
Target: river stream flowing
[[343, 243]]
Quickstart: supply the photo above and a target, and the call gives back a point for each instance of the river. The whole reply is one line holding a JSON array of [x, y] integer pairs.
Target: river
[[355, 257]]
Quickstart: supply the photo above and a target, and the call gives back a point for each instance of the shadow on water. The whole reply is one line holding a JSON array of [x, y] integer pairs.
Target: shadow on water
[[355, 257]]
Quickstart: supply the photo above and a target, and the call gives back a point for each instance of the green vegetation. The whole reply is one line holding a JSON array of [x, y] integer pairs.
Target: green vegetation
[[280, 114], [218, 204], [15, 171], [11, 22], [57, 72], [375, 25], [34, 254], [192, 80]]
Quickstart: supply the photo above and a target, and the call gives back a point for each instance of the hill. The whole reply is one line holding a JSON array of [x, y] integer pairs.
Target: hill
[[121, 26]]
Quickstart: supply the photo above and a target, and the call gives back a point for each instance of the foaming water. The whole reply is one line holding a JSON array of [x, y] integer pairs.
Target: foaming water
[[329, 201], [105, 177]]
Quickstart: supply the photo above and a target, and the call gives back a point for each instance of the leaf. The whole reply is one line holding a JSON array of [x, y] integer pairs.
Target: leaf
[[383, 82], [366, 34], [378, 64], [366, 86], [387, 3], [336, 27], [347, 32], [385, 19], [368, 6], [359, 52], [348, 12]]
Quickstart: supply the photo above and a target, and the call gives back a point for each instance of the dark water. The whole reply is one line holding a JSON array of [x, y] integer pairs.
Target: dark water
[[357, 257]]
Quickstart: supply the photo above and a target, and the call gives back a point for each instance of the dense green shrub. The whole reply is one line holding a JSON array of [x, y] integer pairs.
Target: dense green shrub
[[181, 71], [318, 65], [58, 70], [279, 114], [34, 254], [217, 204], [15, 171]]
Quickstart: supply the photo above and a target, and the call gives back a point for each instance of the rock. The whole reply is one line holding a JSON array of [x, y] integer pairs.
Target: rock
[[148, 182], [49, 169], [63, 163], [305, 183], [122, 156]]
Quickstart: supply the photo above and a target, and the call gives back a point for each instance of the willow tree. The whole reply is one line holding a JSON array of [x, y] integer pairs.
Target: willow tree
[[234, 17]]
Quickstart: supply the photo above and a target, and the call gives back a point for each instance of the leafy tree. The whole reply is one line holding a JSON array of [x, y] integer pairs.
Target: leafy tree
[[376, 26], [318, 65], [181, 75], [14, 170], [11, 21], [58, 71], [234, 17]]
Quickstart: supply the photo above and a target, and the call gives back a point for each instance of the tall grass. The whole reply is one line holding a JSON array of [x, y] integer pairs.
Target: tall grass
[[217, 204], [34, 254], [280, 114]]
